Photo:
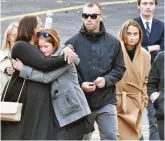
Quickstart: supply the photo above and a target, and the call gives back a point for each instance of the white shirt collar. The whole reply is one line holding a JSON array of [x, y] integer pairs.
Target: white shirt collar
[[144, 22]]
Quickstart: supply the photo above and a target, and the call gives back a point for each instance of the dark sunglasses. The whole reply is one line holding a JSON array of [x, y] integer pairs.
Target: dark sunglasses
[[42, 34], [92, 16]]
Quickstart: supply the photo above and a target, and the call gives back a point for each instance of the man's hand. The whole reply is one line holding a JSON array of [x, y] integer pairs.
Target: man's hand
[[10, 70], [153, 48], [69, 54], [88, 87], [100, 82], [17, 64]]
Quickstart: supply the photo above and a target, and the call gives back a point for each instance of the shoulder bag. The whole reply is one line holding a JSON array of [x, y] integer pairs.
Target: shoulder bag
[[11, 111]]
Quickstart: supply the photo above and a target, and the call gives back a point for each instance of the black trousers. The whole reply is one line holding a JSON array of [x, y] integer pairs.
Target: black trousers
[[153, 129], [161, 128]]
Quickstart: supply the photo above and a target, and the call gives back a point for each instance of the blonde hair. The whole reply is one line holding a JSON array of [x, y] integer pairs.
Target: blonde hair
[[53, 37], [6, 43], [124, 29]]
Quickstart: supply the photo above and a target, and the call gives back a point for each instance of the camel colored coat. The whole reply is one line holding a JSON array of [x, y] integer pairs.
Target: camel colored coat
[[132, 94]]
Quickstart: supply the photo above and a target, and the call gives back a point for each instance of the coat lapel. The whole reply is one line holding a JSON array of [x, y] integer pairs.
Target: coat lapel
[[143, 28], [131, 69], [153, 29]]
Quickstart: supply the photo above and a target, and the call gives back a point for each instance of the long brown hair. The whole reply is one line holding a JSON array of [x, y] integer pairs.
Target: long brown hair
[[124, 29], [26, 28]]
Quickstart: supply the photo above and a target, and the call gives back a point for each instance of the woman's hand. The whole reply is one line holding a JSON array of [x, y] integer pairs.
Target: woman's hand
[[17, 64], [69, 54], [10, 70]]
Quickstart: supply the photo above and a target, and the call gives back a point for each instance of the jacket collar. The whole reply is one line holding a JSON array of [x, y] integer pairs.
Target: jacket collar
[[91, 35], [4, 54]]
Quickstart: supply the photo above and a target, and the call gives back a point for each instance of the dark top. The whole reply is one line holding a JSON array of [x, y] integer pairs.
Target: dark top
[[156, 35], [131, 53], [100, 56], [156, 83]]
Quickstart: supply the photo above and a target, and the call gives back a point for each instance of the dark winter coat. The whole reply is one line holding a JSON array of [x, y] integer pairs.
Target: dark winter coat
[[156, 84], [100, 56]]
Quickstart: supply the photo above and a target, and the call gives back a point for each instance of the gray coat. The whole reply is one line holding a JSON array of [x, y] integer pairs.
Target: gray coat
[[69, 101]]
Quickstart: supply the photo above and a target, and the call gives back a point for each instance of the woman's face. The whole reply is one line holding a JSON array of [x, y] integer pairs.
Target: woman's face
[[39, 28], [46, 47], [12, 36], [39, 25], [132, 37]]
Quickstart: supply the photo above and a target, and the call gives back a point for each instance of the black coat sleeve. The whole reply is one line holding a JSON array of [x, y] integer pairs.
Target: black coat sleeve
[[72, 41], [31, 56], [162, 39], [118, 68], [153, 79]]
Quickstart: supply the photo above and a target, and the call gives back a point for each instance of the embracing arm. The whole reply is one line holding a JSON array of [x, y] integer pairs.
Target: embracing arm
[[32, 57], [39, 76], [118, 69]]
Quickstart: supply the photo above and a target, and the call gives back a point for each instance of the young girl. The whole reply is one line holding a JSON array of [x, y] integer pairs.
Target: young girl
[[131, 90], [68, 99]]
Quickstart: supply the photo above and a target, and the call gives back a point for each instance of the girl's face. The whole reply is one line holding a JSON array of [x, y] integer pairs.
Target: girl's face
[[132, 37], [46, 47], [12, 36]]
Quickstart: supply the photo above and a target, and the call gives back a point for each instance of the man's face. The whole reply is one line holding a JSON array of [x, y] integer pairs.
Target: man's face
[[92, 23], [147, 7]]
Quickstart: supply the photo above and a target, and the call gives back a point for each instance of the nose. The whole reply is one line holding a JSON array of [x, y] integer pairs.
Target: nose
[[42, 28], [148, 6], [132, 37], [42, 50], [89, 18]]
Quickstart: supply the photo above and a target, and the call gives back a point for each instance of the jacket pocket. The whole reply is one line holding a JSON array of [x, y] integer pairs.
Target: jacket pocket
[[68, 103]]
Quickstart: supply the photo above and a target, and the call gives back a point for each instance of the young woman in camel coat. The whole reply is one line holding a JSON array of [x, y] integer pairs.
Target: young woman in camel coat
[[131, 90]]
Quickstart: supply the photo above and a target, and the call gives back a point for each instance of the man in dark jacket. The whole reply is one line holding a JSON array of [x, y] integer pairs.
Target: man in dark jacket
[[153, 41], [156, 90], [101, 67]]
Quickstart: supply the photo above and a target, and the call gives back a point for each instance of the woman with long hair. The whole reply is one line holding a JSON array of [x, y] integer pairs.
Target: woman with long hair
[[6, 68], [69, 101], [37, 121], [132, 90]]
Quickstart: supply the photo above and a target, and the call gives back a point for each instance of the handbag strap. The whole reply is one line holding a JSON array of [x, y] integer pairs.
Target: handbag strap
[[8, 86], [21, 90]]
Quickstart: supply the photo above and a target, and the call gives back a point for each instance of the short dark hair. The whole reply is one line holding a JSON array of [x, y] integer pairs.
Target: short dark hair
[[91, 4], [139, 1], [26, 28]]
